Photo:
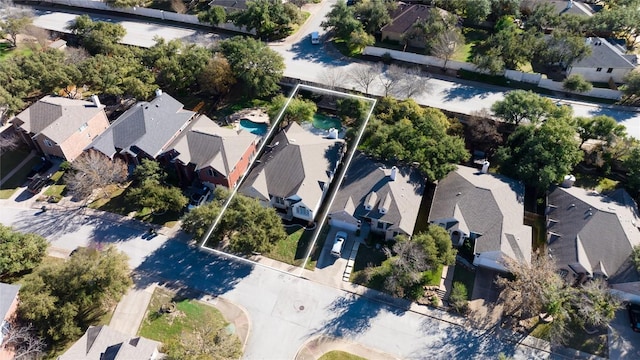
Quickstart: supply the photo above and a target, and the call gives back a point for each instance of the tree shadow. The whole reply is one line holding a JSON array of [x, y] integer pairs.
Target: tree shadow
[[183, 269], [465, 92], [618, 114], [353, 313], [325, 53]]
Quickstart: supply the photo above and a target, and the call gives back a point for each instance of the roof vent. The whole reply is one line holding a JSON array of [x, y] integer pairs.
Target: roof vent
[[158, 92]]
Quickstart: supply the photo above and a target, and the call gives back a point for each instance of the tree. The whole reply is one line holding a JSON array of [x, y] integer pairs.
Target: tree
[[425, 31], [413, 82], [23, 341], [364, 75], [601, 127], [48, 71], [447, 44], [477, 11], [341, 20], [118, 76], [20, 252], [93, 170], [298, 110], [483, 133], [271, 19], [458, 298], [491, 61], [14, 23], [519, 105], [543, 16], [374, 14], [632, 164], [98, 37], [9, 104], [123, 3], [576, 83], [198, 220], [62, 299], [564, 48], [176, 65], [540, 156], [512, 45], [596, 305], [333, 77], [214, 15], [391, 79], [500, 8], [204, 342], [631, 87], [9, 142], [149, 170], [358, 40], [157, 197], [216, 78], [255, 64]]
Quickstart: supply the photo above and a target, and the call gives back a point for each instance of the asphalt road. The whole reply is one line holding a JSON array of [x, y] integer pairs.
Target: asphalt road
[[284, 310], [316, 63]]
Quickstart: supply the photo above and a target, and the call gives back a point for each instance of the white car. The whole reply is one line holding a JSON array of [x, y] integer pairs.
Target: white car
[[338, 243]]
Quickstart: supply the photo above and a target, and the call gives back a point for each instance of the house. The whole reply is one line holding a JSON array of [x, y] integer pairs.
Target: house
[[592, 235], [145, 130], [388, 199], [403, 20], [103, 343], [295, 171], [212, 154], [8, 307], [230, 5], [561, 7], [61, 127], [607, 62], [488, 211]]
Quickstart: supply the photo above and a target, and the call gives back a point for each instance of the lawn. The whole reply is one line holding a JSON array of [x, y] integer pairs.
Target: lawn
[[466, 277], [294, 248], [593, 344], [340, 355], [20, 176], [594, 181], [189, 315], [6, 51], [6, 193], [472, 37], [11, 159]]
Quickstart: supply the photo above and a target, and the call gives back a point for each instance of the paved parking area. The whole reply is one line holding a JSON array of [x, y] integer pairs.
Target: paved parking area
[[329, 269], [623, 342], [484, 286]]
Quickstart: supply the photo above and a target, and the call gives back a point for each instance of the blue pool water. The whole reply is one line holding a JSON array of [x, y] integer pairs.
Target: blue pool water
[[325, 122], [253, 127]]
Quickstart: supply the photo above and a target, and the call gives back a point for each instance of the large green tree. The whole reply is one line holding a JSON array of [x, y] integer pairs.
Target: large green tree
[[13, 24], [520, 105], [62, 299], [403, 131], [98, 37], [576, 83], [254, 63], [157, 197], [176, 65], [374, 14], [540, 155], [214, 15], [271, 19], [121, 76], [20, 252], [217, 77], [341, 19], [298, 110], [601, 127]]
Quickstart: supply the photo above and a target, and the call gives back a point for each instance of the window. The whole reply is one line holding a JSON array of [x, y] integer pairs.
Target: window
[[301, 210], [48, 142], [380, 225], [278, 200], [82, 127], [598, 69], [609, 70], [212, 172]]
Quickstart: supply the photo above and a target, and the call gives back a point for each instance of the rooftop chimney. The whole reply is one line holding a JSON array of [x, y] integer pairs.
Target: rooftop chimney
[[95, 100], [158, 92], [568, 181], [485, 167], [394, 172]]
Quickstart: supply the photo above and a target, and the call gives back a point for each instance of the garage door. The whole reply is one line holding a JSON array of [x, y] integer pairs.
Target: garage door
[[343, 225]]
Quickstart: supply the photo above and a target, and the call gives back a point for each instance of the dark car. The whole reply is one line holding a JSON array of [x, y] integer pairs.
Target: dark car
[[634, 316], [37, 183], [199, 197]]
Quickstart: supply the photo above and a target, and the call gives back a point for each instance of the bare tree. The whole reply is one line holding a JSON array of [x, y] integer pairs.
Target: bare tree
[[413, 83], [364, 75], [9, 142], [23, 340], [75, 55], [597, 305], [447, 44], [333, 78], [39, 34], [93, 170], [392, 79]]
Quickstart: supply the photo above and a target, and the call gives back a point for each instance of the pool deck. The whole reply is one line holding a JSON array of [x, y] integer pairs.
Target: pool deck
[[255, 115], [321, 132]]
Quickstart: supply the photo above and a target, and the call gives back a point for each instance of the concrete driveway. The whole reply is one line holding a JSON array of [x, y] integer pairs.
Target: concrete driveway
[[623, 342], [329, 269]]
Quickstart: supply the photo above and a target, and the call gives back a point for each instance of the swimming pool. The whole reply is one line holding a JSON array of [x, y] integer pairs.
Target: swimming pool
[[326, 122], [253, 127]]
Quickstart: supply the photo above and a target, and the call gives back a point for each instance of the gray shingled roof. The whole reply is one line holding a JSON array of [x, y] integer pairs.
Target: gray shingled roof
[[8, 293], [592, 231], [56, 117], [489, 205], [297, 163], [147, 126], [204, 143], [365, 176], [408, 15], [104, 343], [604, 55]]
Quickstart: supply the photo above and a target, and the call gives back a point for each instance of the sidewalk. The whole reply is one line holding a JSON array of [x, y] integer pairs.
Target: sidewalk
[[131, 309]]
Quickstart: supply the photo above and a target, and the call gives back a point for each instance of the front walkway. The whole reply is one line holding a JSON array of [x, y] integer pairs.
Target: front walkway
[[131, 310]]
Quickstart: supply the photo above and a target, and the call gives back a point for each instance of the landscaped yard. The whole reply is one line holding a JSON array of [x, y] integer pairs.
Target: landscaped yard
[[593, 344], [340, 355], [295, 247], [6, 51], [188, 317], [466, 277], [472, 37], [20, 176]]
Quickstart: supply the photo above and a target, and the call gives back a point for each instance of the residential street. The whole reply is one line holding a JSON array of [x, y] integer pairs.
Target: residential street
[[285, 311], [316, 62]]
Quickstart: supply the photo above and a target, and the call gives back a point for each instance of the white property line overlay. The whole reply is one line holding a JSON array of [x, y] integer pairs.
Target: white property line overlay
[[274, 126]]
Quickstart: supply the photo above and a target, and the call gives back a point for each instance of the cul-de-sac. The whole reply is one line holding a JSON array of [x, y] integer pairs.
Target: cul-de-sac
[[319, 179]]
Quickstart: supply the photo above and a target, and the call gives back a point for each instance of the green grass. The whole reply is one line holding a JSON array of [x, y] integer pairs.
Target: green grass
[[6, 51], [595, 182], [593, 344], [6, 193], [11, 159], [55, 190], [189, 314], [20, 176], [472, 37], [433, 276], [466, 277], [340, 355], [538, 228], [294, 248]]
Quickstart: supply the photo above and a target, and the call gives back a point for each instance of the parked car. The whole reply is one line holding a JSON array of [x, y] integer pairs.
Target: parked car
[[198, 198], [338, 243], [634, 316], [37, 183], [315, 38]]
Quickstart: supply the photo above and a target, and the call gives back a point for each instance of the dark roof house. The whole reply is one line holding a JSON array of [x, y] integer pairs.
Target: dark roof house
[[405, 17], [103, 343], [145, 129], [591, 234], [388, 198], [487, 209], [295, 172]]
